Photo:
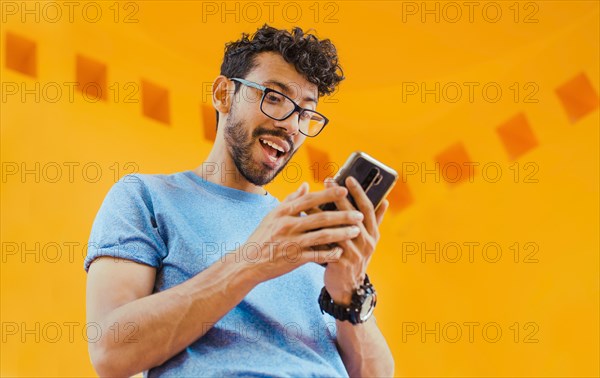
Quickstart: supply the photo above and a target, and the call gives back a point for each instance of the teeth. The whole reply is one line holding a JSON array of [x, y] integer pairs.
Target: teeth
[[272, 145]]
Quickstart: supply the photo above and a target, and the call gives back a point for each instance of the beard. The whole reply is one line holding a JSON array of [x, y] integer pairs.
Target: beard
[[241, 145]]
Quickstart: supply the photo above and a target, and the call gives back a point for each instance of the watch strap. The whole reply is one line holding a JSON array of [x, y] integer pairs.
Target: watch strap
[[351, 312]]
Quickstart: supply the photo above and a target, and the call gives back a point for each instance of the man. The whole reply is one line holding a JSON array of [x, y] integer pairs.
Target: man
[[203, 273]]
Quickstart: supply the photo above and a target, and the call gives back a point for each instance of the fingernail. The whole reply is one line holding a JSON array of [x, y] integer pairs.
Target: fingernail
[[353, 230], [357, 215]]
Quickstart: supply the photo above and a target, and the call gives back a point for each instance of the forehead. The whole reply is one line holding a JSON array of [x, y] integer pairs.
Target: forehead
[[271, 67]]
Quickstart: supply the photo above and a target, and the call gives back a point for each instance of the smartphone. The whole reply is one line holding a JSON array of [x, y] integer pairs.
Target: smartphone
[[376, 178]]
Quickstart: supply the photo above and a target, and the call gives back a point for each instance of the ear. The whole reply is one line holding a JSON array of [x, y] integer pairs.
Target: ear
[[222, 94]]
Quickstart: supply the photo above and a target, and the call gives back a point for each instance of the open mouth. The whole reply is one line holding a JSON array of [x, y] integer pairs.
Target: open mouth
[[274, 152]]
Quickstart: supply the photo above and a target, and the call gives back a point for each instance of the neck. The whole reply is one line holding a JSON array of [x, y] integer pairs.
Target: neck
[[220, 169]]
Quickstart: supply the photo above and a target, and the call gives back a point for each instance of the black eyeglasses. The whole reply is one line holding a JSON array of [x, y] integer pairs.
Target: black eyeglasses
[[279, 107]]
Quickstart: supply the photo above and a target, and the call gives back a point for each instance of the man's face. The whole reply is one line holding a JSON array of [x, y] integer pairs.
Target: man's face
[[248, 132]]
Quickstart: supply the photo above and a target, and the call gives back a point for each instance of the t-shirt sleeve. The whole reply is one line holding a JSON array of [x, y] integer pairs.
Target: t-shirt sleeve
[[125, 226]]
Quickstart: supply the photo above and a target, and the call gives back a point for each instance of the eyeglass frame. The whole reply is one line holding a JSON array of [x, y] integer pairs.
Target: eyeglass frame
[[297, 107]]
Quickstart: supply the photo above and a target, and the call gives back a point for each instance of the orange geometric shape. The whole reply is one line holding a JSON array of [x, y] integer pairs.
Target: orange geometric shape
[[209, 121], [455, 164], [319, 163], [578, 97], [91, 78], [21, 54], [400, 196], [155, 102], [517, 136]]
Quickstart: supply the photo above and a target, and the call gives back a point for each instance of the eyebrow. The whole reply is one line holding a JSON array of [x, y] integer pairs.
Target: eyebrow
[[287, 90]]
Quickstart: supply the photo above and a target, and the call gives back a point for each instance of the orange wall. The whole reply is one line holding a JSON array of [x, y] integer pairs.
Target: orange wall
[[528, 239]]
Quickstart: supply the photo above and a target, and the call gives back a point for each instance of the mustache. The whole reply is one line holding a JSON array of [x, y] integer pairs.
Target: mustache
[[259, 131]]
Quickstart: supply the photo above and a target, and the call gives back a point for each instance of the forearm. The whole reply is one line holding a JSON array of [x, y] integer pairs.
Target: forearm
[[156, 327], [364, 350]]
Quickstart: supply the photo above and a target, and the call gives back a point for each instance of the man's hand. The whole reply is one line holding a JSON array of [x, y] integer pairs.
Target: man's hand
[[347, 274], [362, 347], [284, 240]]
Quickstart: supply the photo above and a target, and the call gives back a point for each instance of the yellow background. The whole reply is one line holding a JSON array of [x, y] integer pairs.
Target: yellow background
[[178, 45]]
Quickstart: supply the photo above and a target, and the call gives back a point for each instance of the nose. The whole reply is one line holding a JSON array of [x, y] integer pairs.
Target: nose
[[290, 124]]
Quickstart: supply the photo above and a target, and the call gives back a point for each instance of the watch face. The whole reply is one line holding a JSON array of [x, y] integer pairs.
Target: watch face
[[367, 307]]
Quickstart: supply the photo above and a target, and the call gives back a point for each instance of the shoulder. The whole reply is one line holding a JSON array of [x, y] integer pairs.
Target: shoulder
[[140, 190], [148, 183], [151, 179]]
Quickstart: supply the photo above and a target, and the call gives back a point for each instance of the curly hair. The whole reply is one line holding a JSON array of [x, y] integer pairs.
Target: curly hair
[[314, 59]]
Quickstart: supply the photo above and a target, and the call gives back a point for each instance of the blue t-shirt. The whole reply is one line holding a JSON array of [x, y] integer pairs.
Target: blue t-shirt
[[181, 224]]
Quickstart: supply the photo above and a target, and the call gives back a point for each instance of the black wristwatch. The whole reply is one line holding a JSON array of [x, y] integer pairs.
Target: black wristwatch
[[360, 309]]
